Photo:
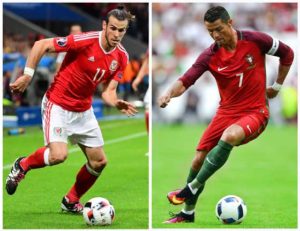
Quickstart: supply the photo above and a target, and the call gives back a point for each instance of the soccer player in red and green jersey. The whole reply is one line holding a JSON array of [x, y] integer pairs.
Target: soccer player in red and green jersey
[[237, 62]]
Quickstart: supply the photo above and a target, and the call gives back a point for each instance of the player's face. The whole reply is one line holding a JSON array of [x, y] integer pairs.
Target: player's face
[[220, 31], [114, 31]]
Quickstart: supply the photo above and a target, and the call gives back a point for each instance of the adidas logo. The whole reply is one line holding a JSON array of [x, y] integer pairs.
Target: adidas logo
[[92, 59]]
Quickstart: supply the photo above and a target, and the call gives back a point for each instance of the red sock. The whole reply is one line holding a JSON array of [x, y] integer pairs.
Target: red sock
[[84, 182], [147, 120], [35, 160]]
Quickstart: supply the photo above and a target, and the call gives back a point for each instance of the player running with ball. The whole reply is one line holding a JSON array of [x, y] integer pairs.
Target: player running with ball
[[237, 62], [92, 58]]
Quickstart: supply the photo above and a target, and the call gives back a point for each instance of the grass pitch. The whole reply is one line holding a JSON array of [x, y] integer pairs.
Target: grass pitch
[[36, 204], [262, 172]]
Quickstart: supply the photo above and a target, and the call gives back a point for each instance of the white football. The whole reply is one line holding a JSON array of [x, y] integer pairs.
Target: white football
[[98, 211], [231, 210]]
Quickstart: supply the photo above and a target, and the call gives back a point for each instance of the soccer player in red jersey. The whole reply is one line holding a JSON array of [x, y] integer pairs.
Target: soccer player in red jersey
[[237, 62], [92, 58]]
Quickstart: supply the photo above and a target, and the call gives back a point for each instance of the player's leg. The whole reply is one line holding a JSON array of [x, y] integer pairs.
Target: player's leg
[[217, 157], [214, 160], [197, 163], [54, 151], [86, 132], [188, 211], [247, 128], [89, 172], [86, 177], [241, 131]]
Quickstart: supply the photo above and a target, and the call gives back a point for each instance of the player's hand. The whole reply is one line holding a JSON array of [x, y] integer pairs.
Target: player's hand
[[20, 84], [164, 100], [126, 107], [135, 86], [271, 93]]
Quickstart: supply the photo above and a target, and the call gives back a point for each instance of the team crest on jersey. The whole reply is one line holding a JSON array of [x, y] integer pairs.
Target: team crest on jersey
[[250, 60], [113, 66], [62, 41]]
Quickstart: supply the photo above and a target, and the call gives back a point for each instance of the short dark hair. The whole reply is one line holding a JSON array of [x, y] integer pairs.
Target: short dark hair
[[120, 13], [215, 13]]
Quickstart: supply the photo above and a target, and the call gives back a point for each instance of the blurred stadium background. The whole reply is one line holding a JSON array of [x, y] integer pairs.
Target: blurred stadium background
[[179, 36], [24, 23]]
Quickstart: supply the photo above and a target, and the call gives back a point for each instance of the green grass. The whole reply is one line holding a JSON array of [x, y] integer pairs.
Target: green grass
[[36, 204], [262, 172]]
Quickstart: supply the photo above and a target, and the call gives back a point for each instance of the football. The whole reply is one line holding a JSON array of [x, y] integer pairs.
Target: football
[[98, 211], [231, 210]]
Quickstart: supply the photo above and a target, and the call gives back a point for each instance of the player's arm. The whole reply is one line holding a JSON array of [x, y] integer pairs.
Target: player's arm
[[38, 50], [286, 57], [176, 90], [188, 79], [273, 90], [109, 96], [275, 47], [142, 72]]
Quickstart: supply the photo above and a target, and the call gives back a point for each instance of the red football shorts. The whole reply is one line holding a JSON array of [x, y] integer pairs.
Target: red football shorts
[[253, 124]]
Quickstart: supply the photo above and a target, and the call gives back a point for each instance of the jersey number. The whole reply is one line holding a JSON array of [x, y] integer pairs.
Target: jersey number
[[240, 75], [97, 78]]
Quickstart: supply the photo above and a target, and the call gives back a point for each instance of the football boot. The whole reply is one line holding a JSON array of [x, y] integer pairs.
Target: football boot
[[180, 218], [71, 207], [15, 176]]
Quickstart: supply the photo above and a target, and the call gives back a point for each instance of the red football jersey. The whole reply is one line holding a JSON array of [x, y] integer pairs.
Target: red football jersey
[[241, 74], [85, 65]]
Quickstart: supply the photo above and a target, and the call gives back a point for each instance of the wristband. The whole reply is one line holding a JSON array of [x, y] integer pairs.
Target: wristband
[[29, 71], [276, 86]]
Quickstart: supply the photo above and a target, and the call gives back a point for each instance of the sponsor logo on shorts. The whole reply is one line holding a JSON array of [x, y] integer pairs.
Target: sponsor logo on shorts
[[62, 41]]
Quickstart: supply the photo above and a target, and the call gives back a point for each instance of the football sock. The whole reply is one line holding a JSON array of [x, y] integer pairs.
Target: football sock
[[185, 193], [188, 212], [38, 159], [215, 159], [190, 203], [86, 177], [192, 174]]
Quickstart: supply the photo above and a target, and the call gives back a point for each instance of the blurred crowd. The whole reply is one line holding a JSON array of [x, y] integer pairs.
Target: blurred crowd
[[137, 29], [179, 36]]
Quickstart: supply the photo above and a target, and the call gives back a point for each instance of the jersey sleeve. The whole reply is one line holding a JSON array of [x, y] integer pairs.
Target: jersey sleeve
[[63, 44], [272, 46], [73, 42], [197, 69]]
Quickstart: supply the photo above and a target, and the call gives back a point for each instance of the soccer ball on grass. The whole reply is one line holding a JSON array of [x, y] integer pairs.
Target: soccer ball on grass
[[231, 210], [98, 211]]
